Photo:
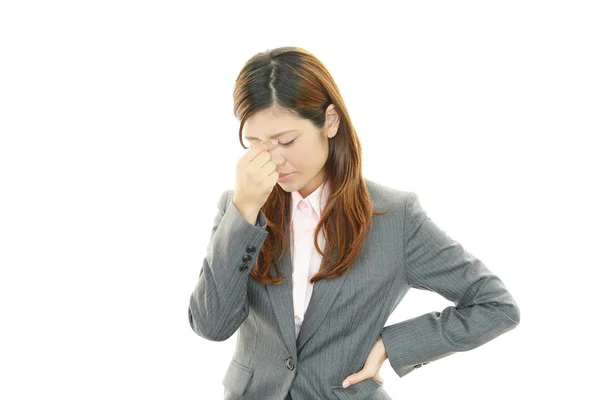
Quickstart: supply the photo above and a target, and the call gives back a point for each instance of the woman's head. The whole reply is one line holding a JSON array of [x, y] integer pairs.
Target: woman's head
[[288, 88]]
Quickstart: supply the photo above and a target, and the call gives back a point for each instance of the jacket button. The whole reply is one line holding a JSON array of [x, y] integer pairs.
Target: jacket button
[[289, 362], [243, 267], [246, 258], [250, 249]]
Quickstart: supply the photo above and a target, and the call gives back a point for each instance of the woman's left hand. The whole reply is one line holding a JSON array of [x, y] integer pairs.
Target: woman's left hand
[[372, 365]]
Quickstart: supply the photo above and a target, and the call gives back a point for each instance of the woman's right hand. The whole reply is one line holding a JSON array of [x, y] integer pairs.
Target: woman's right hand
[[255, 178]]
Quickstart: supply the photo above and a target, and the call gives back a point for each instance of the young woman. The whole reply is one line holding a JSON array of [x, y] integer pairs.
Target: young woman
[[307, 259]]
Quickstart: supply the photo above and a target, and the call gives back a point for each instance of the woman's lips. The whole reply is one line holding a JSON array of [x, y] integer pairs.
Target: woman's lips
[[285, 177]]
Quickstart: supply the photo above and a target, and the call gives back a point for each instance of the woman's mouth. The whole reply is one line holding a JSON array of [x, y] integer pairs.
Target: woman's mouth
[[285, 177]]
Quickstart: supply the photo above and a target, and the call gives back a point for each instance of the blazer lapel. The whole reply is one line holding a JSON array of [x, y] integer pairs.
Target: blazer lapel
[[323, 295], [281, 296]]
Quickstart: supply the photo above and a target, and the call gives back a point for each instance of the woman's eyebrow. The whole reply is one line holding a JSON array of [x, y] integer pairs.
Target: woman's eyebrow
[[274, 136]]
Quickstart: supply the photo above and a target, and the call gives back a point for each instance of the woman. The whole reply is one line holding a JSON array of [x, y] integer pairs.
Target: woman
[[307, 259]]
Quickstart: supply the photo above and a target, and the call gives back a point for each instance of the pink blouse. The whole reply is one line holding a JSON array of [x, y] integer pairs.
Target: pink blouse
[[305, 259]]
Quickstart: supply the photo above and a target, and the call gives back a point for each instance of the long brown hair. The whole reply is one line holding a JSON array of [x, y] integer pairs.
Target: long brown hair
[[296, 81]]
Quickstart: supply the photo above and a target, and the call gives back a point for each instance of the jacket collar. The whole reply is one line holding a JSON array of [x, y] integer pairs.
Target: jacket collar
[[317, 198]]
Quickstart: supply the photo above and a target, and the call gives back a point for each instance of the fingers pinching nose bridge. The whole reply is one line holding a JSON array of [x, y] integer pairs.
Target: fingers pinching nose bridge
[[269, 144]]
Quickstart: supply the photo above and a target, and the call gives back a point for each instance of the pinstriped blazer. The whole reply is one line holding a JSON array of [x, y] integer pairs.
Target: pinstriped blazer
[[404, 249]]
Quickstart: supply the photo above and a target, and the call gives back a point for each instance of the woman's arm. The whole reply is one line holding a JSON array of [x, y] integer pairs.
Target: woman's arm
[[219, 302], [483, 310]]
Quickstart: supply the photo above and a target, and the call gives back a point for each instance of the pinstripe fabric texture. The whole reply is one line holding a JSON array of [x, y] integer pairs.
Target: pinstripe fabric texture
[[404, 249]]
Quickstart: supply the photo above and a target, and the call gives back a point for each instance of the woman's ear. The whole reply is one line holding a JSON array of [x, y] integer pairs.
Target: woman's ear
[[332, 121]]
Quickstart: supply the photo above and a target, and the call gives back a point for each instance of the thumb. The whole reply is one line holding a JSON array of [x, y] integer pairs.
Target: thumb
[[352, 379]]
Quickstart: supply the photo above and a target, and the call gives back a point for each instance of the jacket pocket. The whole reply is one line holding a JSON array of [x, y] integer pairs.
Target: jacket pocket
[[360, 390], [237, 377]]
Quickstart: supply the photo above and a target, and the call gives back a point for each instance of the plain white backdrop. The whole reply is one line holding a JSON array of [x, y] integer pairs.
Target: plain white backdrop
[[118, 137]]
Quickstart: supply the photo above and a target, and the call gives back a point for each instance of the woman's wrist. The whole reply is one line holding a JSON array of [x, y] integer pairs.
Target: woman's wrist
[[379, 342]]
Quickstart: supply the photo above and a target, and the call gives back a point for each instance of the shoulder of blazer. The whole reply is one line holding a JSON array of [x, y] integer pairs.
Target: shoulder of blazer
[[387, 198]]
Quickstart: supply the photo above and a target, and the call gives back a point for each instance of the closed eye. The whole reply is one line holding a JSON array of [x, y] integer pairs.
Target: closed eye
[[288, 143]]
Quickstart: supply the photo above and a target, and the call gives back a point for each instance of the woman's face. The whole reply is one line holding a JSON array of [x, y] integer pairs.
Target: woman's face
[[302, 149]]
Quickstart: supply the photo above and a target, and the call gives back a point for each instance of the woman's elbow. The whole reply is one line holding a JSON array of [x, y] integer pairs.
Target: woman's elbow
[[515, 313], [208, 331], [510, 313]]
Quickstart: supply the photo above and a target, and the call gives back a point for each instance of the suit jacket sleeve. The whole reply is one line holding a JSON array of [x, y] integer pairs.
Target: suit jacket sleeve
[[483, 310], [219, 302]]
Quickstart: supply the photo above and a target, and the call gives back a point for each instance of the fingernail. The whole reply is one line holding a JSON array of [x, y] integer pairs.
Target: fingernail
[[345, 384]]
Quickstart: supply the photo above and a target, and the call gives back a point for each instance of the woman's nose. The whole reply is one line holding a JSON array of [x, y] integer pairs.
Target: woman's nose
[[277, 158], [276, 155]]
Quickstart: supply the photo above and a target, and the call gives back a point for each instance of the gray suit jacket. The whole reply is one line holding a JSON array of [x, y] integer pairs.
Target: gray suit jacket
[[345, 315]]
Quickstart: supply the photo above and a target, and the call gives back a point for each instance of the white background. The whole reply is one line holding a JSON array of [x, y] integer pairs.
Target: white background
[[118, 137]]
